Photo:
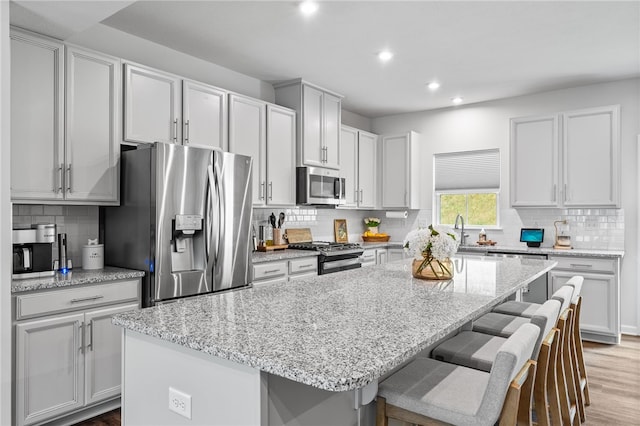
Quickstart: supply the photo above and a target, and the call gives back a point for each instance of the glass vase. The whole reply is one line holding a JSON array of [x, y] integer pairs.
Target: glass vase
[[429, 268]]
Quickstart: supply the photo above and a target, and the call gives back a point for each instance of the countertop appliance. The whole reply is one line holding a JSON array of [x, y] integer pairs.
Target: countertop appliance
[[184, 218], [319, 186], [532, 236], [33, 251], [333, 257]]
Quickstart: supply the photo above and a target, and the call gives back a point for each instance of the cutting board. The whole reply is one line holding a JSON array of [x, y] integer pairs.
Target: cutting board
[[298, 235]]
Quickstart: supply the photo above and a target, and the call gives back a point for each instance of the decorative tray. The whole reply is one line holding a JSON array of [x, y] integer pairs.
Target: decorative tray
[[376, 239], [487, 243]]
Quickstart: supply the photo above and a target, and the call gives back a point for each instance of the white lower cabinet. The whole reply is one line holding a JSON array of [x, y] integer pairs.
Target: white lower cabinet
[[600, 315], [280, 271], [375, 256], [66, 362]]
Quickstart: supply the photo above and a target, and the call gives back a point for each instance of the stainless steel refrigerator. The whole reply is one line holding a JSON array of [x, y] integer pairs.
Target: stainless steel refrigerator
[[184, 218]]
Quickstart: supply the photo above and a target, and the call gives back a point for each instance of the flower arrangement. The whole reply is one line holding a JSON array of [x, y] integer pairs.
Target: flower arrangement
[[371, 222], [432, 248]]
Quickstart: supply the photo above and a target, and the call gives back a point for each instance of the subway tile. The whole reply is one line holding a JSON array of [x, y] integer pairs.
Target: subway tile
[[53, 210]]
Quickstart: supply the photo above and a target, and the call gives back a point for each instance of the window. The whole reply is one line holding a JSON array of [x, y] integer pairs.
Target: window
[[467, 183]]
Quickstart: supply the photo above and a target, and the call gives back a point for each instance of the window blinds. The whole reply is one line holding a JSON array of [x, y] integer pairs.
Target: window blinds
[[477, 170]]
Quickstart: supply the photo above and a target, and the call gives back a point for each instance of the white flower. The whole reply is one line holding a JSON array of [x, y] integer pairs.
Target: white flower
[[441, 243], [371, 221]]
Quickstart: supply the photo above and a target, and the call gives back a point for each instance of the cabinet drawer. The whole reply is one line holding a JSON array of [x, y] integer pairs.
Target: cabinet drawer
[[269, 270], [307, 264], [585, 264], [49, 302]]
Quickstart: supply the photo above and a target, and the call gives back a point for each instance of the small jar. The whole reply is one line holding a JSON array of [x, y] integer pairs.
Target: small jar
[[482, 236]]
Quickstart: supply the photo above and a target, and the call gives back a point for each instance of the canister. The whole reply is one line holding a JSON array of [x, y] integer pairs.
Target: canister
[[93, 255]]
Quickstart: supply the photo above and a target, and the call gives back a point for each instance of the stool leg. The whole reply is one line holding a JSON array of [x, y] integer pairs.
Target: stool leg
[[574, 367], [381, 412], [577, 337], [552, 381]]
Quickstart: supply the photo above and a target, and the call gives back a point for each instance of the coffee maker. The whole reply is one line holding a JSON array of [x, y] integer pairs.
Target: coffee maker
[[33, 251]]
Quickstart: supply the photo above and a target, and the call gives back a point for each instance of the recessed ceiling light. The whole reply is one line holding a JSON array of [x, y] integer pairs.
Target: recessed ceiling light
[[457, 100], [308, 7], [385, 55], [434, 85]]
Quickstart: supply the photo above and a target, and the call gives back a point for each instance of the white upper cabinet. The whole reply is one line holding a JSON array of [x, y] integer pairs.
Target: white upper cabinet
[[247, 136], [319, 114], [349, 164], [162, 107], [152, 110], [358, 153], [534, 161], [267, 133], [591, 157], [281, 155], [64, 131], [402, 180], [37, 114], [367, 149], [570, 159], [204, 110], [92, 139]]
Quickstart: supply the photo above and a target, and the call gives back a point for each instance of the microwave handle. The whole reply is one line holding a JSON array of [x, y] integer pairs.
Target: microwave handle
[[26, 259], [338, 188]]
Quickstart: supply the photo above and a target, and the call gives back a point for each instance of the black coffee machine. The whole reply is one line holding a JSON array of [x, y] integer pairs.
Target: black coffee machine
[[33, 251]]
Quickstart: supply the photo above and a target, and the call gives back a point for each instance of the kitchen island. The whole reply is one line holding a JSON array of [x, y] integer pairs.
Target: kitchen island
[[304, 352]]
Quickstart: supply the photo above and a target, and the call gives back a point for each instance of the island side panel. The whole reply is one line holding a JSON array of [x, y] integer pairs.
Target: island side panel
[[222, 392]]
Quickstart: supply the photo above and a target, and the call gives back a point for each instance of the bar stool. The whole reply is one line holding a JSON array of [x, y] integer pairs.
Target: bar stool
[[427, 389], [478, 350]]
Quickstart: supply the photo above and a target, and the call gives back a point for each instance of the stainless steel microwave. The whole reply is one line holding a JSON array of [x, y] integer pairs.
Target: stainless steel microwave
[[317, 185]]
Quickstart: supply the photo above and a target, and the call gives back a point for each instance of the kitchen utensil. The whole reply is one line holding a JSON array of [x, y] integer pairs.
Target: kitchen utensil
[[272, 220], [281, 220]]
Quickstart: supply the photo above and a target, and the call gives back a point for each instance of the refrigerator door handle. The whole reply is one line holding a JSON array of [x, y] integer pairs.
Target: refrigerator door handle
[[213, 221]]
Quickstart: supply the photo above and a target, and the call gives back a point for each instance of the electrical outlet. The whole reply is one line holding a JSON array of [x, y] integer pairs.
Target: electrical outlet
[[180, 402]]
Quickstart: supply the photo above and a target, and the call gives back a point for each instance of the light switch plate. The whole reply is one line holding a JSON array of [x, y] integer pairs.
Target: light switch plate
[[180, 402]]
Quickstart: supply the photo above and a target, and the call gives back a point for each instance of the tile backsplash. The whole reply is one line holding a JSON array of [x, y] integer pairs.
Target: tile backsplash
[[80, 223], [588, 228]]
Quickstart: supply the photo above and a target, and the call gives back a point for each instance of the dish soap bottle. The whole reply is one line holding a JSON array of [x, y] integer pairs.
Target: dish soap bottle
[[482, 237]]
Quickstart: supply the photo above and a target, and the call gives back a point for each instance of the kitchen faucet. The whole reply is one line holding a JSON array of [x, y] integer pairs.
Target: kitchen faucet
[[462, 234]]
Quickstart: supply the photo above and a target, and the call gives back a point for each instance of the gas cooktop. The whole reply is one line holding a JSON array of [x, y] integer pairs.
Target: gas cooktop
[[327, 247]]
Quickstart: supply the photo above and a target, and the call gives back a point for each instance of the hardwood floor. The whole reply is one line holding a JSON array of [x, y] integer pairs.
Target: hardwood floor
[[614, 379]]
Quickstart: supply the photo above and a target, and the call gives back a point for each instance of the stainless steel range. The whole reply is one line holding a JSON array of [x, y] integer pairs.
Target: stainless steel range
[[333, 257]]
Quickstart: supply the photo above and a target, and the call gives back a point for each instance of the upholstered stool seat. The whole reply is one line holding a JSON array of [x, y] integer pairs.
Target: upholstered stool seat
[[455, 394], [478, 350], [503, 325], [521, 309]]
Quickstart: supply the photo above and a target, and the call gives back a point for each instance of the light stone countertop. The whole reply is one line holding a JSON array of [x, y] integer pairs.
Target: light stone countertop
[[272, 256], [339, 331], [74, 277], [542, 250]]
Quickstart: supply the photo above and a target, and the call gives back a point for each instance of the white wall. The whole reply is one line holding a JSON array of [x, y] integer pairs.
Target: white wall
[[126, 46], [356, 120], [486, 125], [5, 220]]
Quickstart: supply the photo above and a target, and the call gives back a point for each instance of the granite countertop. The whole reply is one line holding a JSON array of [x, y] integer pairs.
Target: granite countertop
[[542, 250], [271, 256], [74, 277], [337, 332]]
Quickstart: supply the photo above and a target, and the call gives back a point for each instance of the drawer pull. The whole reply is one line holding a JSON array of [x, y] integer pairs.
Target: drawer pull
[[306, 266], [581, 265], [273, 271], [86, 299]]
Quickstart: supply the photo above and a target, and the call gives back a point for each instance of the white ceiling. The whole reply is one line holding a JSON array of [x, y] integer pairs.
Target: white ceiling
[[478, 50]]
